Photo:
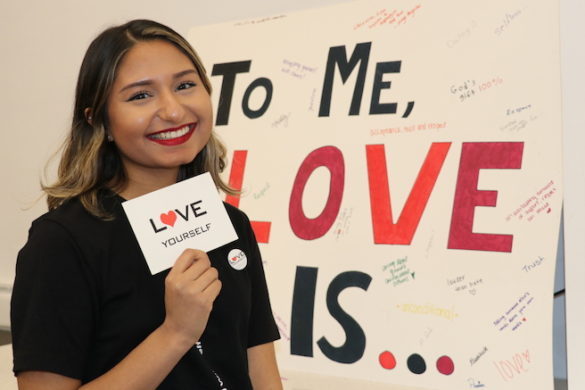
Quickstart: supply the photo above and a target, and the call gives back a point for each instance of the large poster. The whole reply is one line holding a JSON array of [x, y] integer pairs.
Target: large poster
[[401, 163]]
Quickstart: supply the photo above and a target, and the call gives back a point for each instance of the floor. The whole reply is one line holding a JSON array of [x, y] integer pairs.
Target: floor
[[5, 337], [560, 384]]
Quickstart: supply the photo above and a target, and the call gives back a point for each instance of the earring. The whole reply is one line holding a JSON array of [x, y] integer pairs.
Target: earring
[[110, 138]]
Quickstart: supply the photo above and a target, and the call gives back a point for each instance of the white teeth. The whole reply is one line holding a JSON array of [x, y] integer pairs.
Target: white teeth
[[171, 134]]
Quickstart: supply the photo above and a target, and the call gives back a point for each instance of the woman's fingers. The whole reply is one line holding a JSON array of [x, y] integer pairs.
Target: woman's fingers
[[187, 259], [213, 289], [203, 281], [191, 287]]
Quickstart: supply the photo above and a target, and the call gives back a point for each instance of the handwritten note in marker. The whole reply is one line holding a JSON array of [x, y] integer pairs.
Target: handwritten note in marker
[[188, 214]]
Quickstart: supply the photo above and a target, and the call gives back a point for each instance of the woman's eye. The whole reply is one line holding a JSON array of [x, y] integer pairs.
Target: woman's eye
[[186, 85], [139, 96]]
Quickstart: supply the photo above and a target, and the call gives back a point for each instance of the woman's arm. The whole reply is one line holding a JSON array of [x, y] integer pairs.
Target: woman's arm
[[144, 368], [262, 367], [190, 289]]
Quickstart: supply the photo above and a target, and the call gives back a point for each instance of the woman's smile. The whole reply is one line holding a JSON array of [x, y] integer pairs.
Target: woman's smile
[[173, 136]]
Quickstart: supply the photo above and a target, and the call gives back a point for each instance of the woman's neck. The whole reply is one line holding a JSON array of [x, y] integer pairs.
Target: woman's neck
[[138, 185]]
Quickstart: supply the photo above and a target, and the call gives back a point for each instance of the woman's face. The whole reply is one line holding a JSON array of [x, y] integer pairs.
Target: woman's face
[[159, 112]]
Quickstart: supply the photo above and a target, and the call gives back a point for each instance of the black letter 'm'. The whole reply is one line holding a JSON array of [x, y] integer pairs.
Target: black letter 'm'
[[337, 55]]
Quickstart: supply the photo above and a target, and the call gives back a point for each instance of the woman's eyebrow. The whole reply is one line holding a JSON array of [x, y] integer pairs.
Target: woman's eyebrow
[[136, 84], [146, 82], [184, 73]]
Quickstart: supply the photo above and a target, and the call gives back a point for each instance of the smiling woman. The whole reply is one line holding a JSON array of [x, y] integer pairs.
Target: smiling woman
[[159, 115], [107, 84], [86, 312]]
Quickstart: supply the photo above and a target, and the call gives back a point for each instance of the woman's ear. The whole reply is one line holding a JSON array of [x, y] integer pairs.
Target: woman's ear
[[88, 117]]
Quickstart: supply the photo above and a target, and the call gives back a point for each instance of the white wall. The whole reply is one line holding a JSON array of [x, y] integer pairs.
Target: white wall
[[572, 65]]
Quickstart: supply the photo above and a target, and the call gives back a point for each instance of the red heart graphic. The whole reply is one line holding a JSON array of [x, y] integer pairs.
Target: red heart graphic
[[168, 218]]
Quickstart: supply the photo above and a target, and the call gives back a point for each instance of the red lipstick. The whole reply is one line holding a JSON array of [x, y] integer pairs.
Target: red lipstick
[[174, 136]]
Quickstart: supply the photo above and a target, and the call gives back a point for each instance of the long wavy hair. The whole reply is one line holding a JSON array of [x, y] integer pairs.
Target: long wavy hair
[[89, 163]]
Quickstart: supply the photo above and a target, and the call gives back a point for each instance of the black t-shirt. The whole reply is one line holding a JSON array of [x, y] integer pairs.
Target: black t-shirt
[[84, 297]]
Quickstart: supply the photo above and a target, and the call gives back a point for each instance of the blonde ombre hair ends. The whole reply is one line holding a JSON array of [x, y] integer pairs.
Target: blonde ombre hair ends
[[89, 163]]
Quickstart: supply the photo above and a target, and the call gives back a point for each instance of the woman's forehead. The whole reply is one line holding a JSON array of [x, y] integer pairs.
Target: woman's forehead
[[148, 59]]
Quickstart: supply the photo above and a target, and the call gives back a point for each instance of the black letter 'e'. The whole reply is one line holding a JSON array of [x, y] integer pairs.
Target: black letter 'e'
[[381, 69]]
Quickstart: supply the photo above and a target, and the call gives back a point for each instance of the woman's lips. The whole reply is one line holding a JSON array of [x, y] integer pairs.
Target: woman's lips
[[175, 136]]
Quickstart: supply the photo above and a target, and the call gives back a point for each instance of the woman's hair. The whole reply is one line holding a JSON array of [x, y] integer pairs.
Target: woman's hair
[[89, 163]]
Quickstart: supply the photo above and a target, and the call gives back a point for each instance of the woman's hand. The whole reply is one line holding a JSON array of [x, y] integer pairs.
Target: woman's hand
[[190, 290]]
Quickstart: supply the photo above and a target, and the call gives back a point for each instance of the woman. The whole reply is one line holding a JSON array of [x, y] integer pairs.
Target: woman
[[86, 312]]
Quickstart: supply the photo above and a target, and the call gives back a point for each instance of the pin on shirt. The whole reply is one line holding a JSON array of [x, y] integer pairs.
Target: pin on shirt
[[237, 259]]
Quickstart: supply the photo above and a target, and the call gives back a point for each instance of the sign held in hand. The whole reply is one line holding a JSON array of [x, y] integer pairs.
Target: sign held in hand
[[188, 214]]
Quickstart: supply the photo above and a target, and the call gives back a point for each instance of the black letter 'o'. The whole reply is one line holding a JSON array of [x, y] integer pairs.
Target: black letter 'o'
[[259, 82]]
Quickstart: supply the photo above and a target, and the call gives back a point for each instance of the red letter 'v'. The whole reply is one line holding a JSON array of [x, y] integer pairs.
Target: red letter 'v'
[[401, 232]]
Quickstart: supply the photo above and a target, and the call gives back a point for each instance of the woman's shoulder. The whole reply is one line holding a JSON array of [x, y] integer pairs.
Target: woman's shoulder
[[237, 216], [69, 233], [73, 218], [63, 215]]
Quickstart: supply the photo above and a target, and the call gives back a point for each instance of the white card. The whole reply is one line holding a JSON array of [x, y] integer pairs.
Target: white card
[[188, 214]]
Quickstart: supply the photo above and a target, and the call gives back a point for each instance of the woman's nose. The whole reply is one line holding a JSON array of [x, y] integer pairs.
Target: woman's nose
[[170, 109]]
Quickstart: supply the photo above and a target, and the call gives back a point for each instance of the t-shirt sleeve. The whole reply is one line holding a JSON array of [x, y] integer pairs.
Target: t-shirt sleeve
[[262, 327], [53, 304]]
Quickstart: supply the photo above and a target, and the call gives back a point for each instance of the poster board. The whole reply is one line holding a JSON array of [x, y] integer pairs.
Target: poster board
[[402, 167]]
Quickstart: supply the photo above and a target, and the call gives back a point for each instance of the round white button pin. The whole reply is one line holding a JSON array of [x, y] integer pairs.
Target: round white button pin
[[237, 259]]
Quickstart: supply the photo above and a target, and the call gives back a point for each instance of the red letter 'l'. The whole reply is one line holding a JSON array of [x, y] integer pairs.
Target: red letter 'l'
[[261, 229]]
